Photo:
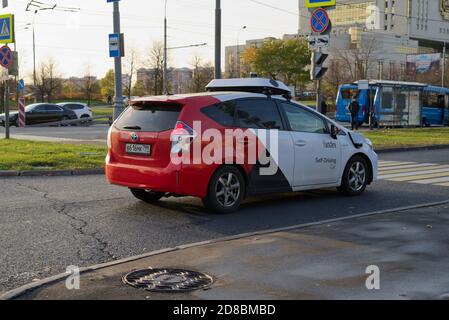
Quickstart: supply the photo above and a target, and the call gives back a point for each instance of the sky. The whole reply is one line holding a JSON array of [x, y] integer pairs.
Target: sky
[[78, 41]]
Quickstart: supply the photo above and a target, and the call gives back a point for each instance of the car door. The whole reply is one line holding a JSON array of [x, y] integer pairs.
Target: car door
[[317, 155], [263, 117], [54, 113], [36, 115]]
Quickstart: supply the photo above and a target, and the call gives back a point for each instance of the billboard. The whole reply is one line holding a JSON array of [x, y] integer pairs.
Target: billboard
[[424, 67]]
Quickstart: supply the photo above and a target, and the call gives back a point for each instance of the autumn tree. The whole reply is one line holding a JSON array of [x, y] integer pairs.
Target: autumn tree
[[107, 84], [203, 73], [131, 62], [156, 63], [285, 60], [89, 85]]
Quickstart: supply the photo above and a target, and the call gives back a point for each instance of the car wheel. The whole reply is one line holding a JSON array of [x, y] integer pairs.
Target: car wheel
[[355, 177], [226, 190], [147, 195], [65, 118]]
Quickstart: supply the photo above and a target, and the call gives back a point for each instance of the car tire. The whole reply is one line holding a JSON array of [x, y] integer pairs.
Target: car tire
[[226, 190], [147, 196], [355, 177]]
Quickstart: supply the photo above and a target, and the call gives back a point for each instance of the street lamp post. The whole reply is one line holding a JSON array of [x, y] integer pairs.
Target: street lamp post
[[217, 39], [238, 50], [165, 51]]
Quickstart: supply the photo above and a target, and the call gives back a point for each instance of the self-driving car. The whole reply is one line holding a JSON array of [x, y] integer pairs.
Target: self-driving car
[[243, 137]]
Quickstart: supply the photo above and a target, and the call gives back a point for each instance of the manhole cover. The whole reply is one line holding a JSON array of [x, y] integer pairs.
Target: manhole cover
[[168, 280]]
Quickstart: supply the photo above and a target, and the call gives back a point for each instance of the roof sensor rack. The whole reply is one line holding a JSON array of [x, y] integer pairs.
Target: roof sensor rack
[[267, 87]]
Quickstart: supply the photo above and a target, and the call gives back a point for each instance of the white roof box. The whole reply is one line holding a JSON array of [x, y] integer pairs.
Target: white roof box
[[254, 85]]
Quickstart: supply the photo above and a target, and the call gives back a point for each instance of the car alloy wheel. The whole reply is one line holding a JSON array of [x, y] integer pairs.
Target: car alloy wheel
[[227, 189], [357, 176]]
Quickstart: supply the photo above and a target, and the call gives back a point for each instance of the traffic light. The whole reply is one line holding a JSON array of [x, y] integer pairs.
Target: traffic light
[[317, 71]]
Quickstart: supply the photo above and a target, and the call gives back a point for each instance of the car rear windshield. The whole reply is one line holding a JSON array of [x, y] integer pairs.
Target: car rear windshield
[[149, 118]]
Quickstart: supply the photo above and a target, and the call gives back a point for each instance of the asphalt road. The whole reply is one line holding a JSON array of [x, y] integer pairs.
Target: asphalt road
[[96, 133], [47, 224]]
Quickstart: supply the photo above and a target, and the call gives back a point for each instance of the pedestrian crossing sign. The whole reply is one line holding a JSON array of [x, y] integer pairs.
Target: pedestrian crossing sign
[[7, 28]]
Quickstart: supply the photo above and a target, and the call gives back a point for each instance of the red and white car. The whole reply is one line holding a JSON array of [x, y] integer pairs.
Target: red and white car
[[308, 150]]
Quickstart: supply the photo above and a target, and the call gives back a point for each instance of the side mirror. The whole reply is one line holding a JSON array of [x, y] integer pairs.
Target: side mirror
[[334, 132]]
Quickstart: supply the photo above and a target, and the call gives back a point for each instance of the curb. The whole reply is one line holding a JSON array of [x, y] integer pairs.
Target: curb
[[405, 149], [51, 173], [100, 171], [9, 295]]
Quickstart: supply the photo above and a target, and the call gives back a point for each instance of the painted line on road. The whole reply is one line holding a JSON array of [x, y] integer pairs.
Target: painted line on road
[[35, 285]]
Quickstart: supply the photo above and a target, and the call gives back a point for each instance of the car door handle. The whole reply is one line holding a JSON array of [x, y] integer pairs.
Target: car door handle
[[300, 143]]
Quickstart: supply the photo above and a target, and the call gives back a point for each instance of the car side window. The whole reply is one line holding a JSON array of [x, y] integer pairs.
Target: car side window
[[258, 114], [53, 108], [222, 113], [39, 109], [74, 106], [302, 120]]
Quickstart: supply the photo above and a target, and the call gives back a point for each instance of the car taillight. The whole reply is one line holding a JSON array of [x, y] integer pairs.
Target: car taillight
[[109, 139], [181, 137]]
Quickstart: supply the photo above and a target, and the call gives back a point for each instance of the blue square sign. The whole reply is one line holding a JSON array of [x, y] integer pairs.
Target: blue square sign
[[114, 45]]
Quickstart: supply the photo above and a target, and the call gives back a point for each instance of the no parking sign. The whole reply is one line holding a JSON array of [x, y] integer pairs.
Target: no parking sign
[[6, 57]]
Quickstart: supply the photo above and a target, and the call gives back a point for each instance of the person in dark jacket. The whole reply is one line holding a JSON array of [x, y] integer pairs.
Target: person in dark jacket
[[324, 107], [354, 109]]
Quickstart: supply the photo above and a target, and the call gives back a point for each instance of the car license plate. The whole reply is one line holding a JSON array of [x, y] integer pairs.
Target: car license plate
[[138, 149]]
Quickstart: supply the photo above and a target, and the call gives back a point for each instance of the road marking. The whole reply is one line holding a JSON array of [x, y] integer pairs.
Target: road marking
[[432, 181], [414, 172], [415, 165], [423, 176], [392, 163], [443, 184], [426, 168]]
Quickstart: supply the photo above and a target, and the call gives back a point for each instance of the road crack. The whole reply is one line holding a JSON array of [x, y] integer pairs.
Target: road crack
[[78, 224]]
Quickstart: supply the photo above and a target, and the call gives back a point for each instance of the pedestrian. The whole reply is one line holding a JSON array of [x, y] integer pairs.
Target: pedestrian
[[324, 107], [109, 100], [354, 109]]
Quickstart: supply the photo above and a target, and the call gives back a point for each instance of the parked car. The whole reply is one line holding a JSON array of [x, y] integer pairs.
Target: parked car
[[312, 152], [40, 113], [81, 110]]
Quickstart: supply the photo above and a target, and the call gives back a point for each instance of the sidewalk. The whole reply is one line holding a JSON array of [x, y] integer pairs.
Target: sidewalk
[[320, 262]]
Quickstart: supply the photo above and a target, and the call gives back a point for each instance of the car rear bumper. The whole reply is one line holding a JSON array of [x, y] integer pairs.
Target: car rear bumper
[[183, 180]]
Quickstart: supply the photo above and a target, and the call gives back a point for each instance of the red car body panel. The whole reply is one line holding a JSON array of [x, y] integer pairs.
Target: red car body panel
[[157, 172]]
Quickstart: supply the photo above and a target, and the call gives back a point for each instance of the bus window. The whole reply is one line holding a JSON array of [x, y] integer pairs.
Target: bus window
[[348, 94], [401, 101], [434, 100], [387, 99]]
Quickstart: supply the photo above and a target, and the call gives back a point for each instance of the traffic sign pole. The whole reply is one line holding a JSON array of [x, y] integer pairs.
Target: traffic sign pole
[[118, 103]]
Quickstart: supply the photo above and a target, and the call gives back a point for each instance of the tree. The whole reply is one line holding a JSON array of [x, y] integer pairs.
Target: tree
[[130, 64], [156, 62], [203, 73], [48, 81], [284, 60], [139, 88], [107, 84], [89, 86]]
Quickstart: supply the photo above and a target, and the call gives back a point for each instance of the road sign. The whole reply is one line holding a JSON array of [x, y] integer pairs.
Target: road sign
[[317, 70], [7, 28], [6, 57], [321, 41], [21, 85], [113, 1], [114, 45], [320, 3], [22, 113], [319, 21]]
